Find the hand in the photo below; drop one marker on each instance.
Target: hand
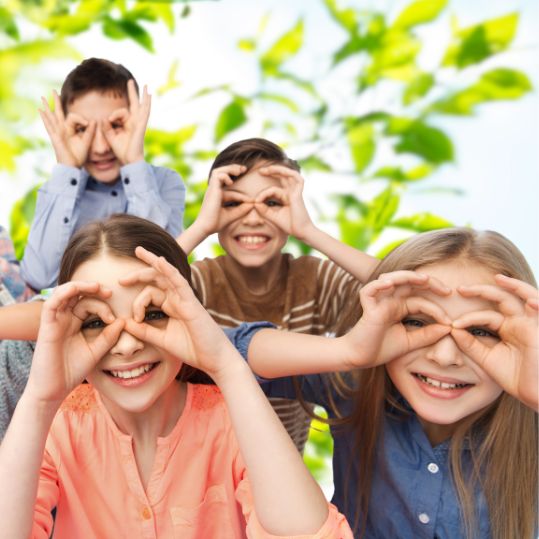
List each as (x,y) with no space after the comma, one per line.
(284,206)
(71,137)
(190,334)
(63,357)
(511,355)
(125,129)
(380,335)
(220,207)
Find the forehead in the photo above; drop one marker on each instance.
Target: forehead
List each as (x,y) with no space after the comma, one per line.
(96,105)
(106,269)
(454,274)
(253,182)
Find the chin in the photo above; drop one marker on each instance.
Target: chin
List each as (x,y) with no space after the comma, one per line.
(104,176)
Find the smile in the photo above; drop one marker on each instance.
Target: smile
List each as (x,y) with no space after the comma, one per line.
(104,163)
(440,385)
(132,377)
(252,240)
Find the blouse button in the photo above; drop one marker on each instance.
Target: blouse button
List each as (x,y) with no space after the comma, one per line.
(146,513)
(423,518)
(73,181)
(433,468)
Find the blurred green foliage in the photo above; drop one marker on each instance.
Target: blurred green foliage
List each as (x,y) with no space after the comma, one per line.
(390,147)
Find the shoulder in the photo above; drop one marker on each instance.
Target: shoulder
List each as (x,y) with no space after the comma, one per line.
(206,398)
(81,400)
(166,175)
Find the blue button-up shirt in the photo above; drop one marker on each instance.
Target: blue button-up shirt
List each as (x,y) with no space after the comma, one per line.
(71,198)
(413,496)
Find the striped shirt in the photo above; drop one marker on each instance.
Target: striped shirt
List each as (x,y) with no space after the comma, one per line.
(308,298)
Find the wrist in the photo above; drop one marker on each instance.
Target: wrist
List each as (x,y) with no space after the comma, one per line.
(230,372)
(44,408)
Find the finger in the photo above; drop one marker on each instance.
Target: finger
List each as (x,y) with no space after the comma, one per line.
(507,302)
(132,96)
(228,170)
(426,336)
(221,179)
(145,332)
(418,305)
(87,307)
(227,215)
(47,122)
(143,276)
(523,290)
(471,346)
(145,106)
(489,319)
(119,115)
(150,295)
(58,111)
(280,170)
(66,296)
(74,119)
(106,339)
(272,192)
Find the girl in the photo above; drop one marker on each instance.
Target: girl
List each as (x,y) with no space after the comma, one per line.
(140,451)
(438,433)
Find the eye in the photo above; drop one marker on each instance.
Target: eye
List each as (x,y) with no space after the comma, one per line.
(231,203)
(482,332)
(154,316)
(93,323)
(272,202)
(117,125)
(80,129)
(413,323)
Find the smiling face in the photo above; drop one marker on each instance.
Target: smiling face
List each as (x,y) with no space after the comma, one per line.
(101,162)
(440,382)
(252,241)
(133,376)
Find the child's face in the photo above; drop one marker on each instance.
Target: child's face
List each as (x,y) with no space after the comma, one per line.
(440,382)
(101,163)
(133,376)
(252,240)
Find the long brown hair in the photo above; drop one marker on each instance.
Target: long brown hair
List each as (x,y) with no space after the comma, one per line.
(119,235)
(503,437)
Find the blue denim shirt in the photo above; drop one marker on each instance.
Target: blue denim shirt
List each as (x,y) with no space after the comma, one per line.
(71,198)
(413,496)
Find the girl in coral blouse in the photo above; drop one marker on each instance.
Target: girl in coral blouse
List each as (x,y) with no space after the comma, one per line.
(141,451)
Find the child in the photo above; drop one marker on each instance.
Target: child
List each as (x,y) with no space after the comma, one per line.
(142,451)
(437,437)
(254,201)
(97,131)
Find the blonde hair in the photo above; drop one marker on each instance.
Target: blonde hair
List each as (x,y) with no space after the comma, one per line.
(502,438)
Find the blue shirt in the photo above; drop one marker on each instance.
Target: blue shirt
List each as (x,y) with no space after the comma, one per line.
(71,198)
(412,495)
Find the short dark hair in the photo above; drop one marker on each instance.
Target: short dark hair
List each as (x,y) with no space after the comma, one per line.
(95,74)
(119,235)
(250,151)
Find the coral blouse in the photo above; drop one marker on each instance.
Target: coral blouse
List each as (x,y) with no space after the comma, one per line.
(198,486)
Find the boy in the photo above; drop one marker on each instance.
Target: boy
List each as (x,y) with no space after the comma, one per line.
(254,201)
(97,131)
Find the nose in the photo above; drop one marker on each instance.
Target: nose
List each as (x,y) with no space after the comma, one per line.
(127,345)
(100,144)
(252,217)
(445,353)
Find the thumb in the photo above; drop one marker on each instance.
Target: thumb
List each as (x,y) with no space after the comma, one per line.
(107,339)
(471,346)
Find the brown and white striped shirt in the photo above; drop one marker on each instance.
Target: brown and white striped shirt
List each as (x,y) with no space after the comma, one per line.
(308,298)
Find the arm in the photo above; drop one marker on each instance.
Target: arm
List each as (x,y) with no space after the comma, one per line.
(287,500)
(20,322)
(288,211)
(508,348)
(218,208)
(378,336)
(61,361)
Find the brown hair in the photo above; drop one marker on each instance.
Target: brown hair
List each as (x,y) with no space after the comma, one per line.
(502,438)
(119,235)
(251,151)
(95,74)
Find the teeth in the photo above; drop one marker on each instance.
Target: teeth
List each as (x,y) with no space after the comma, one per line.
(133,373)
(252,239)
(437,383)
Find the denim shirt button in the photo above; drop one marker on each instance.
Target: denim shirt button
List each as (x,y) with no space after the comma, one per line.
(423,518)
(433,468)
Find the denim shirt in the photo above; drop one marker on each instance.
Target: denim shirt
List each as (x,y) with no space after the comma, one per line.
(413,496)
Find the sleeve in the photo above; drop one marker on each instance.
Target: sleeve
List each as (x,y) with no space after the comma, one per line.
(57,212)
(46,500)
(241,335)
(335,527)
(156,194)
(15,361)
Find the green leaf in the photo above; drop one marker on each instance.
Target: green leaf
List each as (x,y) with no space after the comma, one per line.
(417,88)
(248,45)
(421,139)
(388,248)
(476,43)
(497,84)
(305,85)
(21,218)
(347,18)
(172,82)
(400,175)
(421,222)
(279,98)
(7,24)
(419,12)
(283,49)
(362,145)
(230,118)
(382,209)
(313,162)
(125,28)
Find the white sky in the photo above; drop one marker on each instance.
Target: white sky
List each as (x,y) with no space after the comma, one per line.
(497,161)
